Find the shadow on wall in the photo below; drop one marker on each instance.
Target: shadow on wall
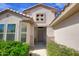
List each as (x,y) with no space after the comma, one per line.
(73,20)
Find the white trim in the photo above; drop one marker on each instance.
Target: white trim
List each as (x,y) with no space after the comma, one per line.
(5,31)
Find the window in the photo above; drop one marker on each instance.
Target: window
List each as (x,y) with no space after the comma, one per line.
(23,29)
(37,15)
(37,19)
(11,28)
(10,32)
(23,37)
(23,32)
(10,37)
(40,17)
(1,31)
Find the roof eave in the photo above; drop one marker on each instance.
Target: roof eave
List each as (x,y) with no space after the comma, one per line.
(65,14)
(25,17)
(50,8)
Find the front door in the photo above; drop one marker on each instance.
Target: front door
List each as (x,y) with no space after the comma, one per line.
(41,35)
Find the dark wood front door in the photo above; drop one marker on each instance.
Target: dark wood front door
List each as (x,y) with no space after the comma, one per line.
(42,35)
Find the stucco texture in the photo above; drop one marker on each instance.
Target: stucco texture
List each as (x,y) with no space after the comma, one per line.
(67,32)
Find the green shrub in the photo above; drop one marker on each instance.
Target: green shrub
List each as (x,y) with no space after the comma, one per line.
(54,49)
(13,48)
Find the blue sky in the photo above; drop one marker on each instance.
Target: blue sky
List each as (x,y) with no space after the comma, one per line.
(21,6)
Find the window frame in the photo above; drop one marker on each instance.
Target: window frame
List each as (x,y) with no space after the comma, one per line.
(3,31)
(7,33)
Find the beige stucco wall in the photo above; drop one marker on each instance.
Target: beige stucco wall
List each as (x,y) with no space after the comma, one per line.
(67,32)
(49,16)
(48,19)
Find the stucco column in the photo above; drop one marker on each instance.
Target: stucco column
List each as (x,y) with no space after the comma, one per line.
(50,34)
(30,35)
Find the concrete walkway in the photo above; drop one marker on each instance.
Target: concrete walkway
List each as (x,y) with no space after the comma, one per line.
(39,50)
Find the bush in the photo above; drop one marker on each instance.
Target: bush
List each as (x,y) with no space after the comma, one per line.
(54,49)
(13,48)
